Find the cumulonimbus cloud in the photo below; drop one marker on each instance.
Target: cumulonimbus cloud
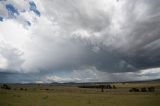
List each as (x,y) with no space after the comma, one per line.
(112,36)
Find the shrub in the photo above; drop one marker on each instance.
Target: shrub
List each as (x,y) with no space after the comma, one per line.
(114,87)
(21,88)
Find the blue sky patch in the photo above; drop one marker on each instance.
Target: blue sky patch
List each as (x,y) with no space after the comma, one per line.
(11,10)
(33,8)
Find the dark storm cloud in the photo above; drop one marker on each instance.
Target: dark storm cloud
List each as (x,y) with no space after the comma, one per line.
(144,49)
(12,77)
(135,47)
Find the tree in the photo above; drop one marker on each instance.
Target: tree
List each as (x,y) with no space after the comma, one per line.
(102,88)
(5,86)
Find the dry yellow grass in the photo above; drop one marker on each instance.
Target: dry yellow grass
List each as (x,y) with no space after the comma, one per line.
(73,96)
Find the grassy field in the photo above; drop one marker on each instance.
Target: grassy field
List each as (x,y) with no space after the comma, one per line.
(40,95)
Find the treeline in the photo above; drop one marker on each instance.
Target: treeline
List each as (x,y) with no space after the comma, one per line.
(98,86)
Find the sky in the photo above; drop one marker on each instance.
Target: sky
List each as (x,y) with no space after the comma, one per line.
(45,41)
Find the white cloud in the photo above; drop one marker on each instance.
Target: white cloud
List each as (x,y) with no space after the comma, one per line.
(3,62)
(57,79)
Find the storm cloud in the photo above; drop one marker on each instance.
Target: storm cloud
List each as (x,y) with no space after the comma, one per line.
(85,40)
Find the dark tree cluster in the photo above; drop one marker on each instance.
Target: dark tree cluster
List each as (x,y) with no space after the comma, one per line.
(98,86)
(5,86)
(144,89)
(134,90)
(102,87)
